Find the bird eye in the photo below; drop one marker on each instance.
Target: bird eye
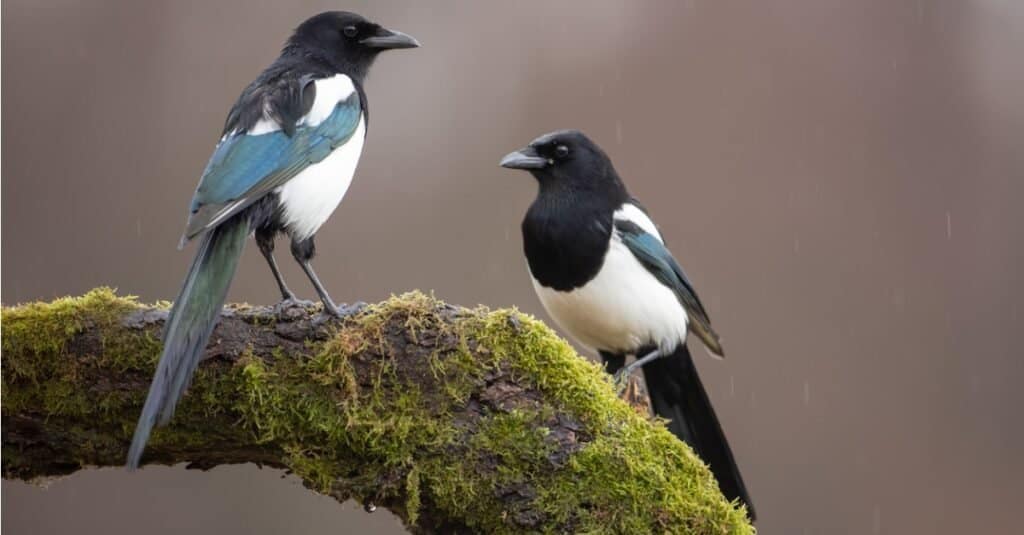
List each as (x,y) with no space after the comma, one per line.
(561,151)
(350,31)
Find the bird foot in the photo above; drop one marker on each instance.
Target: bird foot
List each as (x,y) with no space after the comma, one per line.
(622,376)
(347,310)
(288,305)
(295,302)
(621,381)
(339,312)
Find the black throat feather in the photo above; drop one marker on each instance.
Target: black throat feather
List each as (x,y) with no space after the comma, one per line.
(566,234)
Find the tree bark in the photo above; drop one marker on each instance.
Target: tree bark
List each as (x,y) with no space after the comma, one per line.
(457,420)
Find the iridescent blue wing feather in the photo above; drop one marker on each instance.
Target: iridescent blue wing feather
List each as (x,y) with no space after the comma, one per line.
(654,256)
(246,167)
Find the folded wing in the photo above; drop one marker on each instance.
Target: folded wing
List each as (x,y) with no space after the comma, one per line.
(652,253)
(245,166)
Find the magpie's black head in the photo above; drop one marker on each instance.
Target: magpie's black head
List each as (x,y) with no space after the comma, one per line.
(346,41)
(567,159)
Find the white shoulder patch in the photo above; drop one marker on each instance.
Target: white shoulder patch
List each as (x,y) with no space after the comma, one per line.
(632,213)
(265,125)
(329,92)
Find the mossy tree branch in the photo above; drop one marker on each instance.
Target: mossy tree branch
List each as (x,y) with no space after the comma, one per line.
(457,420)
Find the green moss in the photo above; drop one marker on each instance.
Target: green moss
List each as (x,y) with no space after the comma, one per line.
(318,471)
(383,428)
(412,493)
(35,337)
(390,431)
(34,331)
(40,374)
(664,473)
(417,436)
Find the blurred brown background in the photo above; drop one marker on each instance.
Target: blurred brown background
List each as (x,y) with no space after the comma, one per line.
(842,179)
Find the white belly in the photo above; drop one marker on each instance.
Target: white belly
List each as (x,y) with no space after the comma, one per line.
(309,199)
(622,309)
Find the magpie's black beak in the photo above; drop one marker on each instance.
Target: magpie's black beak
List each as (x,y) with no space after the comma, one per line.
(524,159)
(386,39)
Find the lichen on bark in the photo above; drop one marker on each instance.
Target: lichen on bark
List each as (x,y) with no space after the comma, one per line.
(457,420)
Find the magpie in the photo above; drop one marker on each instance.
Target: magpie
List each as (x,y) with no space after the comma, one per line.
(602,272)
(285,159)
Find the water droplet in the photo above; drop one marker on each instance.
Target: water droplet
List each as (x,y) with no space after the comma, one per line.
(877,519)
(807,393)
(949,225)
(618,131)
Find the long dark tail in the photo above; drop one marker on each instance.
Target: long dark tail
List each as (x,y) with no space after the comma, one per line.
(678,395)
(189,325)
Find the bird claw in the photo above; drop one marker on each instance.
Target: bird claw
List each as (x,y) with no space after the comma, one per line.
(292,302)
(621,381)
(292,307)
(344,311)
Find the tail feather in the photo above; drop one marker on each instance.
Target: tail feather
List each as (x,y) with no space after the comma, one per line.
(189,325)
(678,395)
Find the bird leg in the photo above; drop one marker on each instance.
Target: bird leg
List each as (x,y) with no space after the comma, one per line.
(329,306)
(622,376)
(265,241)
(304,251)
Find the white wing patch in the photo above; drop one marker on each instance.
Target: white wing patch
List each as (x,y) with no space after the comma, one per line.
(309,199)
(632,213)
(622,309)
(329,92)
(265,125)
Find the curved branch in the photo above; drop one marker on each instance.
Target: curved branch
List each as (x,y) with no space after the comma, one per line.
(457,420)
